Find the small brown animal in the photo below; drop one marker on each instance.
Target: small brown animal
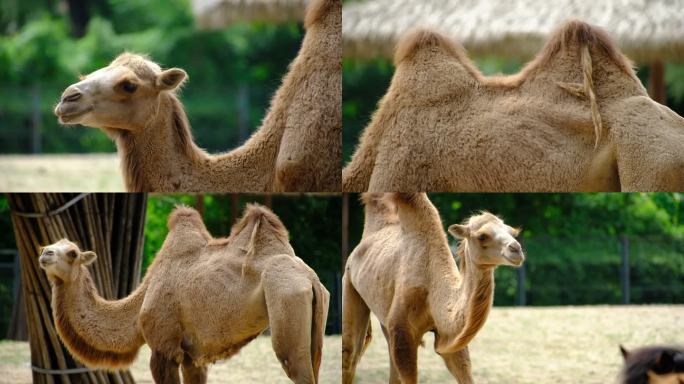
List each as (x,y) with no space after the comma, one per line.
(653,365)
(202,300)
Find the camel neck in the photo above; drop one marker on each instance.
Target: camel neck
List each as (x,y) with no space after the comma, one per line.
(468,305)
(154,158)
(97,331)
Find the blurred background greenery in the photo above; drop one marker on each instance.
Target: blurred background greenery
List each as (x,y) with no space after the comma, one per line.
(46,44)
(574,243)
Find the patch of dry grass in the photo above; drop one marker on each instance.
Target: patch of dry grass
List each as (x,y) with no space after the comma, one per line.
(256,363)
(517,345)
(60,173)
(543,345)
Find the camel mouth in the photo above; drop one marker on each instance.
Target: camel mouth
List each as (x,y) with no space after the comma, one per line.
(45,263)
(70,119)
(516,262)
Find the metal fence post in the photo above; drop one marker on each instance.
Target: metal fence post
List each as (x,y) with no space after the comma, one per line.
(522,298)
(624,270)
(522,295)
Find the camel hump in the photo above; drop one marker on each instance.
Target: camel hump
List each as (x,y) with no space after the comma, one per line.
(182,214)
(421,39)
(319,9)
(573,36)
(268,221)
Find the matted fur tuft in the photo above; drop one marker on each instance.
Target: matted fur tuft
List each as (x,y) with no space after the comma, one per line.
(256,212)
(575,34)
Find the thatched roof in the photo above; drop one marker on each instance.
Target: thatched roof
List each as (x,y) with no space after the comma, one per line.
(219,13)
(645,30)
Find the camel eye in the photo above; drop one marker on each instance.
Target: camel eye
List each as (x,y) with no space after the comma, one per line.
(483,237)
(71,254)
(128,86)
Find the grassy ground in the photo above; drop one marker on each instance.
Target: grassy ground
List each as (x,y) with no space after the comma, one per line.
(543,345)
(517,345)
(60,173)
(256,363)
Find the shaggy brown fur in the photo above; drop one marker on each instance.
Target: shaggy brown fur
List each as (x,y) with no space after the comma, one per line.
(202,300)
(575,118)
(404,273)
(297,148)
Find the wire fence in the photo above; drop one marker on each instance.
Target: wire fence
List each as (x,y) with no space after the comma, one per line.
(600,270)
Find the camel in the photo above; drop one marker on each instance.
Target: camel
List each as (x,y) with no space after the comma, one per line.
(201,300)
(404,273)
(297,147)
(652,365)
(576,118)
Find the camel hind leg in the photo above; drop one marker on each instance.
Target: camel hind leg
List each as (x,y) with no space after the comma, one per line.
(458,364)
(290,313)
(164,370)
(356,329)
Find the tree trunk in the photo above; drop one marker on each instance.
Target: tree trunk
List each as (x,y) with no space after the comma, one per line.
(109,224)
(79,16)
(656,82)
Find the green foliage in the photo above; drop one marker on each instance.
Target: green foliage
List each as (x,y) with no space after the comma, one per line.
(573,243)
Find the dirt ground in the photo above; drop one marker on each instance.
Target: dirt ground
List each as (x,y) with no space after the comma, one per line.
(517,345)
(60,173)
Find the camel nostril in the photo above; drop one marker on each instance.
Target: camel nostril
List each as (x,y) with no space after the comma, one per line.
(71,97)
(515,248)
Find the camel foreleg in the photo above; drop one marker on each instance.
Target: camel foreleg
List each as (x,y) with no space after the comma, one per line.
(355,329)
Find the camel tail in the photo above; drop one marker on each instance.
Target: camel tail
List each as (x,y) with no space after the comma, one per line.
(321,299)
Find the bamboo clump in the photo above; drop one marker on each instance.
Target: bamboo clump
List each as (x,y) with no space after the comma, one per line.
(109,224)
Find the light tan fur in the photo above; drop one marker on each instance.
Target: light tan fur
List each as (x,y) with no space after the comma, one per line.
(404,273)
(297,147)
(201,300)
(576,118)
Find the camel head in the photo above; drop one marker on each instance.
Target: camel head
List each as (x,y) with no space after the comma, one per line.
(120,96)
(62,260)
(488,241)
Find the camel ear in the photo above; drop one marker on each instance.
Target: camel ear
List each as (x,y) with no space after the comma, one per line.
(87,257)
(459,231)
(171,79)
(624,352)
